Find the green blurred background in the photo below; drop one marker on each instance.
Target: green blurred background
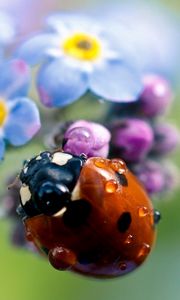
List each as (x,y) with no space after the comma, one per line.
(26,276)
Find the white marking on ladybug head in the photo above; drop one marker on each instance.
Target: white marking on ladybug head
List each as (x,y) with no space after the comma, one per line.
(25,194)
(25,170)
(60,213)
(76,192)
(61,158)
(38,157)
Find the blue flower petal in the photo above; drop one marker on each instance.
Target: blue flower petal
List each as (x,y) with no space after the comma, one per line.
(35,49)
(63,21)
(59,84)
(14,78)
(116,81)
(2,148)
(23,121)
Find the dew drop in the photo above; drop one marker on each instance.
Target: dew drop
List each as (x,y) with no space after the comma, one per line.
(121,171)
(144,251)
(111,186)
(122,266)
(62,258)
(118,166)
(100,163)
(143,211)
(129,239)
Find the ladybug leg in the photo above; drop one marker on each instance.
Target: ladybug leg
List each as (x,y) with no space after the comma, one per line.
(62,258)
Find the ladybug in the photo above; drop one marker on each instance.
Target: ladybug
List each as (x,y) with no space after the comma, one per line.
(90,216)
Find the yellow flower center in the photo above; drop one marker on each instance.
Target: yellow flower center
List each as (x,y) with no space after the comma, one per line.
(82,46)
(3,112)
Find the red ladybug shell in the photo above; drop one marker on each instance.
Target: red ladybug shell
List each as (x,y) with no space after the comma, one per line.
(109,230)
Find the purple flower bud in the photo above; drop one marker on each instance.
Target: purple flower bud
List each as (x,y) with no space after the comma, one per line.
(78,140)
(166,137)
(89,138)
(151,175)
(132,139)
(172,177)
(157,178)
(156,97)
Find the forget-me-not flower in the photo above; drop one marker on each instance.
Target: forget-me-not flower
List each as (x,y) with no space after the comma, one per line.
(19,116)
(79,55)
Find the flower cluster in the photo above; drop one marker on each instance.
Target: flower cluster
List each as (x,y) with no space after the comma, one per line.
(144,140)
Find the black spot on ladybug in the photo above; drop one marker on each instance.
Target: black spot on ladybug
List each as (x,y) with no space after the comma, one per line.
(77,213)
(157,216)
(124,222)
(122,179)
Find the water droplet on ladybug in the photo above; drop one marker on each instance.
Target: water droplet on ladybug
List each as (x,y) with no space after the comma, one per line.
(144,251)
(111,186)
(143,211)
(62,258)
(100,163)
(118,166)
(129,239)
(122,266)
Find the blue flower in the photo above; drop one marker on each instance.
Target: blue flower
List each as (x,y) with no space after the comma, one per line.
(19,116)
(78,55)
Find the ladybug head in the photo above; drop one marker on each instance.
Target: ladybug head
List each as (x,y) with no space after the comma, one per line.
(48,181)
